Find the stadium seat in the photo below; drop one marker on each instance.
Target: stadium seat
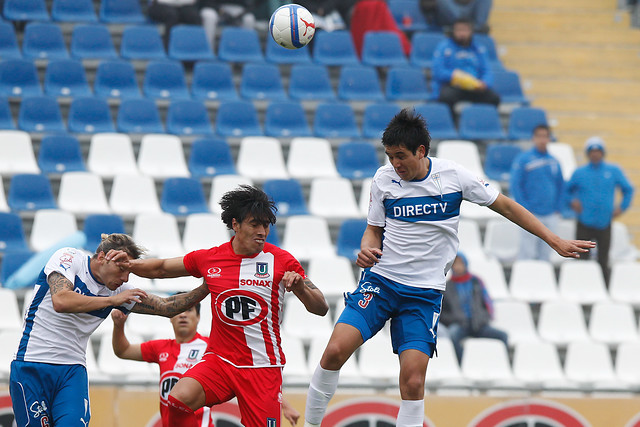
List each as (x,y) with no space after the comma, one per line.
(9,48)
(237,119)
(626,368)
(335,121)
(142,42)
(582,282)
(486,362)
(90,115)
(561,322)
(30,192)
(43,40)
(6,118)
(239,45)
(296,369)
(111,154)
(16,153)
(498,160)
(376,118)
(19,77)
(25,10)
(349,237)
(273,237)
(298,322)
(49,227)
(134,194)
(492,274)
(439,120)
(334,48)
(523,120)
(97,224)
(116,79)
(533,281)
(11,262)
(221,184)
(470,240)
(159,234)
(162,156)
(40,114)
(139,116)
(537,364)
(357,160)
(66,77)
(333,198)
(120,369)
(210,157)
(622,248)
(183,196)
(621,288)
(12,237)
(73,11)
(481,122)
(422,47)
(286,119)
(310,82)
(311,158)
(121,12)
(406,84)
(515,318)
(188,117)
(408,15)
(82,193)
(565,155)
(150,327)
(260,158)
(359,83)
(612,323)
(465,153)
(580,359)
(165,80)
(59,154)
(444,370)
(204,230)
(502,240)
(382,49)
(507,84)
(92,41)
(276,54)
(307,237)
(262,81)
(377,364)
(11,339)
(189,43)
(288,196)
(334,275)
(213,81)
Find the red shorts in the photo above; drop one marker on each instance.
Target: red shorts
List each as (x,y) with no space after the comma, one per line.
(259,390)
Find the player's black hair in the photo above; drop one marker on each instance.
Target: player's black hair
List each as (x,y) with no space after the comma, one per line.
(247,201)
(409,129)
(197,306)
(541,126)
(120,242)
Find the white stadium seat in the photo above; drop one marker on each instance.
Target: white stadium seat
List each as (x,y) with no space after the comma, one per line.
(561,322)
(333,276)
(307,237)
(50,226)
(533,281)
(582,282)
(492,274)
(589,364)
(378,363)
(16,153)
(159,234)
(298,322)
(260,158)
(464,153)
(10,317)
(624,284)
(486,362)
(203,231)
(612,323)
(111,154)
(311,158)
(537,364)
(333,198)
(134,194)
(82,193)
(502,240)
(515,318)
(162,156)
(220,185)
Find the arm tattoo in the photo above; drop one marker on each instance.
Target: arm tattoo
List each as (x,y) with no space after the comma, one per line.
(170,306)
(309,284)
(57,282)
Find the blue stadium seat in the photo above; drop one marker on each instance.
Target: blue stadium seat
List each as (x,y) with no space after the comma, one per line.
(481,122)
(335,121)
(359,83)
(357,160)
(382,49)
(237,119)
(334,48)
(288,196)
(239,45)
(422,47)
(40,114)
(286,119)
(213,81)
(262,81)
(96,224)
(188,117)
(12,236)
(489,44)
(73,11)
(189,43)
(279,55)
(6,118)
(116,79)
(183,196)
(121,12)
(19,77)
(92,41)
(273,237)
(407,84)
(66,77)
(25,10)
(59,154)
(29,192)
(165,79)
(210,157)
(376,118)
(12,261)
(507,84)
(310,82)
(139,116)
(523,120)
(498,160)
(439,120)
(43,40)
(8,42)
(90,115)
(142,42)
(408,15)
(349,237)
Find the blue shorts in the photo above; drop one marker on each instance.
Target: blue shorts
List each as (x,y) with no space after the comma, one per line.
(46,394)
(414,312)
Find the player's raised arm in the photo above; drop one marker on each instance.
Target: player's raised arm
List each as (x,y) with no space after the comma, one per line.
(152,268)
(172,305)
(121,345)
(307,293)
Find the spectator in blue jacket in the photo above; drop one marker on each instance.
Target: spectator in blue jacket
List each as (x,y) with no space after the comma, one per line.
(538,185)
(461,70)
(591,192)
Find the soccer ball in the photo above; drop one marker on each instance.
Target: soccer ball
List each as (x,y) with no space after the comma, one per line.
(292,26)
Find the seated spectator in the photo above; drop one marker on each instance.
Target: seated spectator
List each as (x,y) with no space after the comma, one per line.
(461,70)
(467,308)
(374,15)
(235,13)
(174,12)
(446,12)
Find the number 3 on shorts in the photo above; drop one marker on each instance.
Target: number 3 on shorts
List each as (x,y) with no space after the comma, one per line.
(364,302)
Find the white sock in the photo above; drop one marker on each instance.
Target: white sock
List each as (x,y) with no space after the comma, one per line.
(321,389)
(411,414)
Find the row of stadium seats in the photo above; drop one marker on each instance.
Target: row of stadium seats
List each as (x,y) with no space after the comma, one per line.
(110,11)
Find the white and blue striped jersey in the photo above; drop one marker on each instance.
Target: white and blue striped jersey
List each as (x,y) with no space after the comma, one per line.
(61,338)
(420,220)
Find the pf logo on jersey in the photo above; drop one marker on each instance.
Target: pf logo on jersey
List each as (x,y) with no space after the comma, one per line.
(239,307)
(168,380)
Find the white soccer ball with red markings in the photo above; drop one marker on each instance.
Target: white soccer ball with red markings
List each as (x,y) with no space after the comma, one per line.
(292,26)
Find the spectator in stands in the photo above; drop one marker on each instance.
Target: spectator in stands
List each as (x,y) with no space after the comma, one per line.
(467,308)
(461,70)
(236,13)
(329,15)
(591,193)
(538,185)
(445,12)
(174,12)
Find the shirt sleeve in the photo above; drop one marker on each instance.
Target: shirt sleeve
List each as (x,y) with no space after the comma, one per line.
(376,215)
(476,189)
(191,262)
(66,261)
(626,188)
(150,350)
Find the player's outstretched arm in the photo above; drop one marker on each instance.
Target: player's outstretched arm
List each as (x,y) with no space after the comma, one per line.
(121,345)
(170,306)
(517,214)
(370,246)
(307,293)
(152,268)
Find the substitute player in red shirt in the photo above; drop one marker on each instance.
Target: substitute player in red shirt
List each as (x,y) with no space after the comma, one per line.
(247,278)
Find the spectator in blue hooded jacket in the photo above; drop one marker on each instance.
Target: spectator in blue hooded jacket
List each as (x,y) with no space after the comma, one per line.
(538,185)
(591,192)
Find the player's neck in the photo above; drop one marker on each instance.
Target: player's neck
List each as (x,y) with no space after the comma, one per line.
(184,339)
